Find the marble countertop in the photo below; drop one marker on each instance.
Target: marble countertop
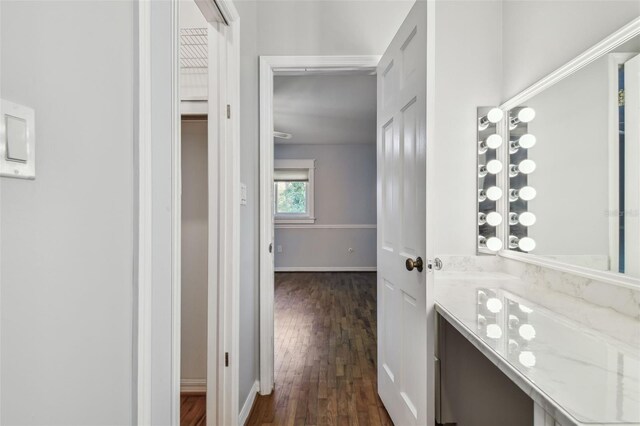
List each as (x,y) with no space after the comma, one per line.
(579,375)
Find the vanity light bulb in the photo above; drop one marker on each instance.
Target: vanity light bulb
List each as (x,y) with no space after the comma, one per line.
(495,115)
(494,141)
(494,167)
(525,167)
(482,195)
(482,219)
(527,358)
(527,332)
(527,141)
(525,308)
(491,243)
(527,244)
(494,305)
(494,331)
(527,193)
(527,219)
(494,193)
(526,114)
(494,218)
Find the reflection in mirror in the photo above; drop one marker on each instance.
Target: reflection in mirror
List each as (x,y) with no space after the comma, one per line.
(574,168)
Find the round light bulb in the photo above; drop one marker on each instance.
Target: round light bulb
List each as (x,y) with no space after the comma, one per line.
(527,332)
(493,218)
(495,115)
(527,218)
(527,166)
(527,193)
(494,244)
(526,114)
(494,167)
(482,195)
(493,193)
(527,141)
(526,244)
(527,358)
(494,141)
(525,308)
(494,331)
(494,305)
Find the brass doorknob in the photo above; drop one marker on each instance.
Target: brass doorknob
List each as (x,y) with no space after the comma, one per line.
(411,264)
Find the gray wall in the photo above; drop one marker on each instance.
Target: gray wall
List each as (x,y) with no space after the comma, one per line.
(291,28)
(67,237)
(344,194)
(195,233)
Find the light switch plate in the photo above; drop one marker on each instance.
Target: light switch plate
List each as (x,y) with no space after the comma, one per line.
(243,194)
(17,141)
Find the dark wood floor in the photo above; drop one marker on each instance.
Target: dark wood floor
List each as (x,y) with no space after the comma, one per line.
(325,352)
(193,410)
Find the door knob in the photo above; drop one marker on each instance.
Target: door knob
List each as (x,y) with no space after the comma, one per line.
(411,264)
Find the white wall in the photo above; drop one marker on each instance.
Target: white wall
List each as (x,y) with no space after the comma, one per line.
(291,28)
(67,237)
(468,71)
(572,175)
(344,194)
(540,36)
(193,356)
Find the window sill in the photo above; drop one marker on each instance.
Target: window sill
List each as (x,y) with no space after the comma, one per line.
(302,220)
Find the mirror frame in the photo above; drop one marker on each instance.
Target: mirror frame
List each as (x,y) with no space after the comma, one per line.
(621,36)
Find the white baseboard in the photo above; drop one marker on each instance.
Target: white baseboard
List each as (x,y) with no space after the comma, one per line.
(326,269)
(193,386)
(248,404)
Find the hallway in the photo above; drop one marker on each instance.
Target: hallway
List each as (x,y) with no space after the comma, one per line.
(325,351)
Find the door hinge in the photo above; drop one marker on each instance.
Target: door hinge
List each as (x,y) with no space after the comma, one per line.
(226,359)
(228,111)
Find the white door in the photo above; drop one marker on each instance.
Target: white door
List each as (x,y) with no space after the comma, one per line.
(402,316)
(632,167)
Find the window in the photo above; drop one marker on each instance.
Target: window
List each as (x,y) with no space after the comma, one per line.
(293,191)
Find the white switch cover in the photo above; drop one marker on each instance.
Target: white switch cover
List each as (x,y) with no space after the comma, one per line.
(17,141)
(243,194)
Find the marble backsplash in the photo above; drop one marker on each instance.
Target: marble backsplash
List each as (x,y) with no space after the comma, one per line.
(608,300)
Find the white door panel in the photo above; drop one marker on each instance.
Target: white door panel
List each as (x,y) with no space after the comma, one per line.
(402,318)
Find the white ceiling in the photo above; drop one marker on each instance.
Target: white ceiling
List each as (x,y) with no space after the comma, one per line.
(325,109)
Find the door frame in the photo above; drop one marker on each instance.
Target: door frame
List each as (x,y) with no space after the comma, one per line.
(269,67)
(157,293)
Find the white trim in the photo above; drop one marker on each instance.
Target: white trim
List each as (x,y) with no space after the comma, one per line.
(144,243)
(600,49)
(616,39)
(270,65)
(326,269)
(248,403)
(193,386)
(224,210)
(176,214)
(294,164)
(316,226)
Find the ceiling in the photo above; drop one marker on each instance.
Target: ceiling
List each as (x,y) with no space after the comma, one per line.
(325,108)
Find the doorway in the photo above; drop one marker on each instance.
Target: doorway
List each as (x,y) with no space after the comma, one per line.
(404,296)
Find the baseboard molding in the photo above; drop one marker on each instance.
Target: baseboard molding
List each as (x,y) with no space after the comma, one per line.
(326,269)
(248,404)
(198,386)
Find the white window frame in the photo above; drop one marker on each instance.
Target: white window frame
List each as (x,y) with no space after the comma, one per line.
(309,216)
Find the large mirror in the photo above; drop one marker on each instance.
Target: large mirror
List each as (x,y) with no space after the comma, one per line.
(574,174)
